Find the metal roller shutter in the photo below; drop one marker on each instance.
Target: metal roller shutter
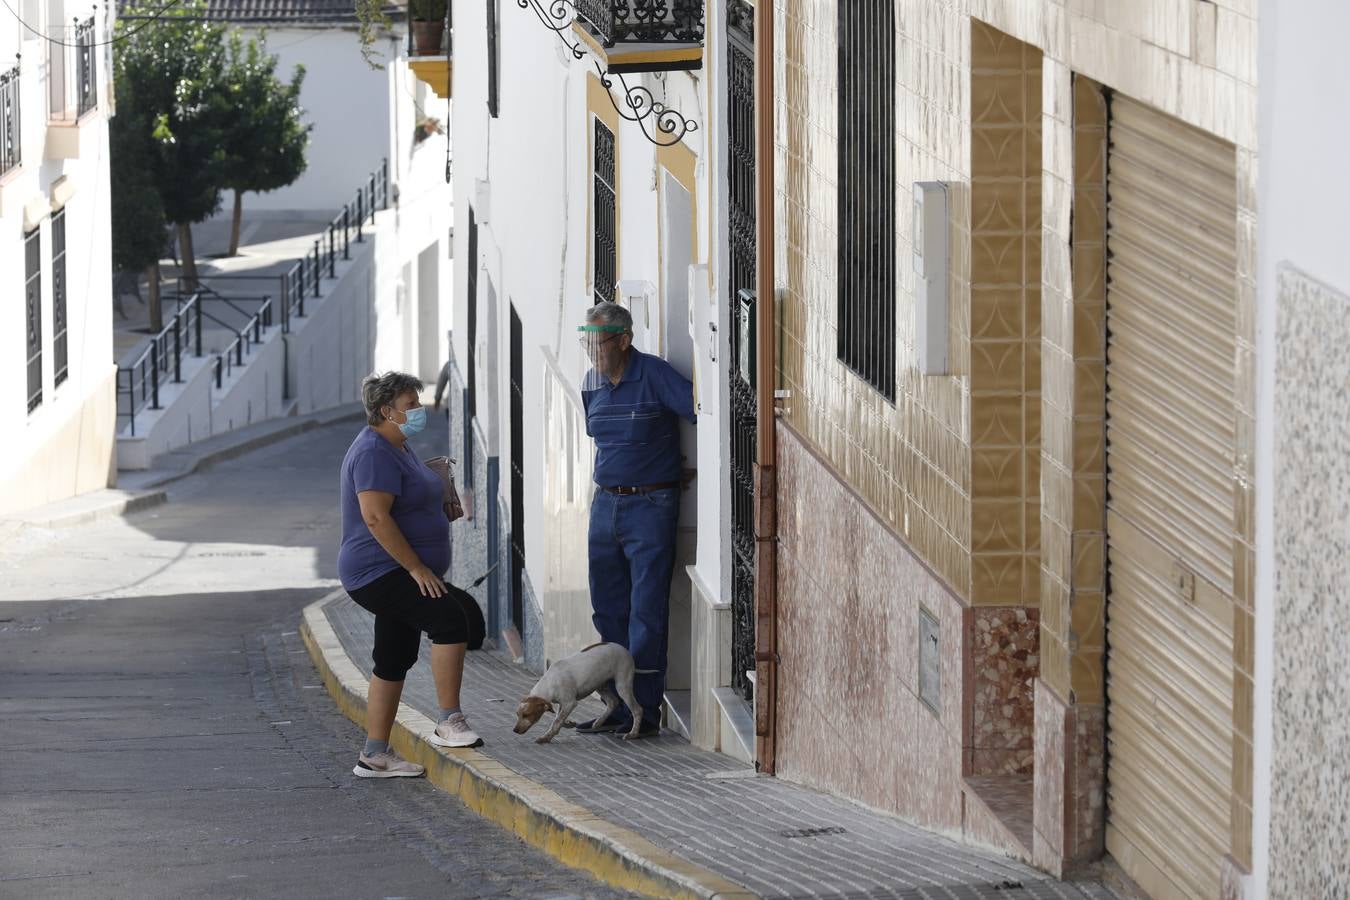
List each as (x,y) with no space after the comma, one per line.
(1171,237)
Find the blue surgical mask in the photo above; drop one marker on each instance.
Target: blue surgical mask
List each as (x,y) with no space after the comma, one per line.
(416,421)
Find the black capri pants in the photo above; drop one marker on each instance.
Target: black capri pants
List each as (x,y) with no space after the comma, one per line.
(402,614)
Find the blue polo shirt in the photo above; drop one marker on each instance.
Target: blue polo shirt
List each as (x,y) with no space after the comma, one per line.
(635,422)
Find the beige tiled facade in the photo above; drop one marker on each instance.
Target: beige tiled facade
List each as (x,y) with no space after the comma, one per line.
(993,476)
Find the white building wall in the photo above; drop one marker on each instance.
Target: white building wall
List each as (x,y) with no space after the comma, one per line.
(1300,842)
(360,115)
(65,445)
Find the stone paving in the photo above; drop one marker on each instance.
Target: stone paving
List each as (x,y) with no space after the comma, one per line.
(773,837)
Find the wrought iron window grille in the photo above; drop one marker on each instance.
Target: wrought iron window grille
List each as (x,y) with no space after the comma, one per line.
(10,143)
(87,84)
(642,21)
(866,193)
(663,125)
(604,215)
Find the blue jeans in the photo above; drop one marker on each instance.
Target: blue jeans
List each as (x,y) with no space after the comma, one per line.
(632,556)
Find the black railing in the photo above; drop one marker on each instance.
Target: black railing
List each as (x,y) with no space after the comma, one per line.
(86,84)
(604,215)
(740,325)
(642,21)
(60,321)
(249,335)
(32,310)
(161,362)
(10,155)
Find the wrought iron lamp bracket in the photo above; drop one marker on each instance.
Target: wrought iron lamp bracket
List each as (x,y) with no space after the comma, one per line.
(663,125)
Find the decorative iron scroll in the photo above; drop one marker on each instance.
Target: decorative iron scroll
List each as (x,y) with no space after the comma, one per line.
(669,126)
(659,123)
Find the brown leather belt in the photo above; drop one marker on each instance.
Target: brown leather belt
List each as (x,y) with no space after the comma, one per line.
(624,491)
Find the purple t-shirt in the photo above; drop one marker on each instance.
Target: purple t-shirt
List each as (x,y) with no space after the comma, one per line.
(374,464)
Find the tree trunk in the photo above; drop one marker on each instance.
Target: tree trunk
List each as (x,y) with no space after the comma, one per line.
(189,257)
(234,226)
(154,307)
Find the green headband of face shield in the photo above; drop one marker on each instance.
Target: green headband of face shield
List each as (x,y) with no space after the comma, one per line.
(608,329)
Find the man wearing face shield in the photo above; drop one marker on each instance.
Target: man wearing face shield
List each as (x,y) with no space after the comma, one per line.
(633,403)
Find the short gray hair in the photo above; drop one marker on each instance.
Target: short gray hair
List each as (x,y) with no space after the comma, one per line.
(379,391)
(609,313)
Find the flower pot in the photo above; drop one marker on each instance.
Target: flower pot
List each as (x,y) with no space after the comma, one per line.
(427,37)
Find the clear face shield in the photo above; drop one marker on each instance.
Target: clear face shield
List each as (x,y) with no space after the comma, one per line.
(602,351)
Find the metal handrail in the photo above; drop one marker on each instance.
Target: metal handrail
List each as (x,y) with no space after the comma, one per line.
(149,370)
(251,333)
(162,358)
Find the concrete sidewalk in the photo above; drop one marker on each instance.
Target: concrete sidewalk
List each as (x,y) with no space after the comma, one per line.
(660,816)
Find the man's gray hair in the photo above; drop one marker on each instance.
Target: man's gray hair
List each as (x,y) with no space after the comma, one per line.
(379,391)
(609,313)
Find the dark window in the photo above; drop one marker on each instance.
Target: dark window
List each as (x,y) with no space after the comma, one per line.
(9,120)
(517,473)
(741,182)
(59,350)
(471,360)
(88,65)
(493,54)
(603,218)
(866,200)
(32,298)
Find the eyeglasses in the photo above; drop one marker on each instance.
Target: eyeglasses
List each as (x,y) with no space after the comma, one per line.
(591,340)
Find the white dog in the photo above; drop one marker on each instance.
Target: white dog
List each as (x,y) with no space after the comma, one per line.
(573,679)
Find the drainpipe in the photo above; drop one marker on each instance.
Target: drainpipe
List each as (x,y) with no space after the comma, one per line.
(766,490)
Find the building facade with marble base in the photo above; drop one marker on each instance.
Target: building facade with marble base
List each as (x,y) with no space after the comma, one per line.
(957,550)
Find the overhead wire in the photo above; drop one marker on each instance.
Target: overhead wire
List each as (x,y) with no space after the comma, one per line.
(77,46)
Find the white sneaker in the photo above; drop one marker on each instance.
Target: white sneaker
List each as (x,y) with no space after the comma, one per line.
(455,732)
(386,765)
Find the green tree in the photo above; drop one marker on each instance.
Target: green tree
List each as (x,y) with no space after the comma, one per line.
(169,67)
(264,135)
(138,224)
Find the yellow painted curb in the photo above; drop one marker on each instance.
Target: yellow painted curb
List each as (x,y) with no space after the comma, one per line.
(572,834)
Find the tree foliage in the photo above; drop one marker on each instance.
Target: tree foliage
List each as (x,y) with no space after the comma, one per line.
(264,135)
(170,70)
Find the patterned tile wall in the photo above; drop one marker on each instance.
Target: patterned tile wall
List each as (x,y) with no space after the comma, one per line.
(1005,317)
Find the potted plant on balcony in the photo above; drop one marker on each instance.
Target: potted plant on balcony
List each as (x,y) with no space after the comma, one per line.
(428,25)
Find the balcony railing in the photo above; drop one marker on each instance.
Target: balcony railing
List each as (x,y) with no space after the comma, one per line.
(86,66)
(9,120)
(72,72)
(642,21)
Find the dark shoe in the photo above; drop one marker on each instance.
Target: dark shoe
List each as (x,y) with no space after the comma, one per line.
(604,726)
(645,730)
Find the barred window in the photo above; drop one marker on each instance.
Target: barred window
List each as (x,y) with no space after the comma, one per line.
(32,299)
(493,56)
(866,198)
(602,217)
(59,343)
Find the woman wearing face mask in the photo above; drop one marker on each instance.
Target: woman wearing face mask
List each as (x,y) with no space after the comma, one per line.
(395,552)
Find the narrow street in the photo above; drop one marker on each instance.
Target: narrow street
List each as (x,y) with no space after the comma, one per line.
(166,734)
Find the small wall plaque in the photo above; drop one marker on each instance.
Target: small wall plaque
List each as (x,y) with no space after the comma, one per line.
(930,661)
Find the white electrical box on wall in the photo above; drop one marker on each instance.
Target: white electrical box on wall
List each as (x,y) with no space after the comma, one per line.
(931,303)
(482,201)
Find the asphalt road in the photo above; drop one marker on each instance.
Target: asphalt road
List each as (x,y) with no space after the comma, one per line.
(165,735)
